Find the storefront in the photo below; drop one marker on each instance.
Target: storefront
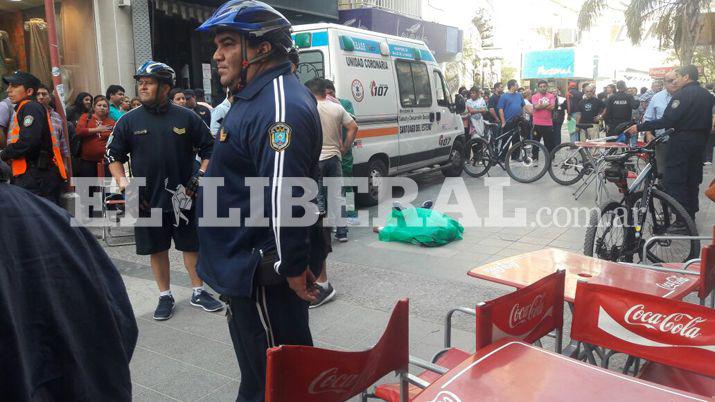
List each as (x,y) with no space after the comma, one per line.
(175,41)
(24,43)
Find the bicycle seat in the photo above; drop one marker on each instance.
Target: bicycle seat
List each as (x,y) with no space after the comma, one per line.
(622,158)
(584,126)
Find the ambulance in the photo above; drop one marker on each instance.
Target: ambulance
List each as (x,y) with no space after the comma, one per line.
(406,117)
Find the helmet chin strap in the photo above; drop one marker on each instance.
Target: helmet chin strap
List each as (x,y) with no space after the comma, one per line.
(243,74)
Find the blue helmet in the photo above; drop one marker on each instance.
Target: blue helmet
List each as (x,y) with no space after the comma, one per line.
(253,18)
(155,69)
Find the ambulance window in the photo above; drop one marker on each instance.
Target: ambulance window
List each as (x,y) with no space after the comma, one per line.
(413,82)
(442,91)
(404,81)
(311,66)
(423,90)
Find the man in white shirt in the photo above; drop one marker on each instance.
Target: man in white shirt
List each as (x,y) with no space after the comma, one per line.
(333,117)
(654,111)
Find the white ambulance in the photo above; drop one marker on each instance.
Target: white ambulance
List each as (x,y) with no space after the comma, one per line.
(403,108)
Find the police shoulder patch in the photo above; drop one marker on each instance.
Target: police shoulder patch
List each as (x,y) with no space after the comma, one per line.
(179,131)
(279,136)
(27,121)
(675,103)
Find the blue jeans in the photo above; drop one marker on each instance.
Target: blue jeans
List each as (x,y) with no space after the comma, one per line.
(331,167)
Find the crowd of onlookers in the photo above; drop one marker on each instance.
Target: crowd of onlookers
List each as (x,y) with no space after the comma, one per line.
(543,111)
(91,118)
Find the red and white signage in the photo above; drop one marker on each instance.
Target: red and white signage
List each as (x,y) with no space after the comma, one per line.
(528,313)
(670,332)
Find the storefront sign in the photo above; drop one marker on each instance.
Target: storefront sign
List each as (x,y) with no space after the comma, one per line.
(544,64)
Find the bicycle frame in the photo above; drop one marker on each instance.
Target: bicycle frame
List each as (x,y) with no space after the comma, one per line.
(497,150)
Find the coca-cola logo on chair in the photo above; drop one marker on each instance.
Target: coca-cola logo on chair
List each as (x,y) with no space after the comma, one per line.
(680,324)
(332,381)
(521,314)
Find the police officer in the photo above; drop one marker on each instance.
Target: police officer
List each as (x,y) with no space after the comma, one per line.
(32,150)
(161,138)
(619,108)
(690,114)
(272,131)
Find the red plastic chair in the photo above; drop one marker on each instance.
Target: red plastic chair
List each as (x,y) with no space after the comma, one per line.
(677,338)
(305,373)
(706,267)
(528,314)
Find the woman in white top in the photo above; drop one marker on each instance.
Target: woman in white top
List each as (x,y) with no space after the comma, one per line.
(476,107)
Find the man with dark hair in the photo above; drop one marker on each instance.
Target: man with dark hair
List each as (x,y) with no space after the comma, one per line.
(201,99)
(161,138)
(544,103)
(510,105)
(333,120)
(689,113)
(32,150)
(115,96)
(619,109)
(44,98)
(200,110)
(266,271)
(493,115)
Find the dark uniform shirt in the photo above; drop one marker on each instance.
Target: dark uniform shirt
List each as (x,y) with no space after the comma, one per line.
(34,134)
(619,108)
(67,330)
(589,109)
(689,111)
(204,113)
(493,102)
(272,131)
(163,146)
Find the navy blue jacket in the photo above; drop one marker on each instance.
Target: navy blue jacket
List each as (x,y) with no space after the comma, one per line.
(67,329)
(272,131)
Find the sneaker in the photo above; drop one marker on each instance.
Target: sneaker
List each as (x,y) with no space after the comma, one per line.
(341,235)
(165,308)
(427,204)
(206,301)
(324,296)
(707,163)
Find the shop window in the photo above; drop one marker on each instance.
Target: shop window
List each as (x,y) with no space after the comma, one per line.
(312,65)
(414,84)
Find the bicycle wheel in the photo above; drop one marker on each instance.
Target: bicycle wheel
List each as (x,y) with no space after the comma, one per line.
(661,217)
(608,234)
(477,161)
(527,161)
(567,164)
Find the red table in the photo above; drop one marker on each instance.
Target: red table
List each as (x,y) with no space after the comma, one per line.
(524,269)
(510,370)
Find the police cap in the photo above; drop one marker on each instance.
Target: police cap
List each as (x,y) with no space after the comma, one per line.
(22,78)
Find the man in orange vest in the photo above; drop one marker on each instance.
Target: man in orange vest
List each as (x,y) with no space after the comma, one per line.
(32,149)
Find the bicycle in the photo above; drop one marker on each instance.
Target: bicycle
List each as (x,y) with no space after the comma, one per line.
(518,156)
(619,230)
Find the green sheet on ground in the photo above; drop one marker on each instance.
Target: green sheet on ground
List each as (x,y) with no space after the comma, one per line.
(421,226)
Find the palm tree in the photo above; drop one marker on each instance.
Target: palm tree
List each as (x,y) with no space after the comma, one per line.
(675,23)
